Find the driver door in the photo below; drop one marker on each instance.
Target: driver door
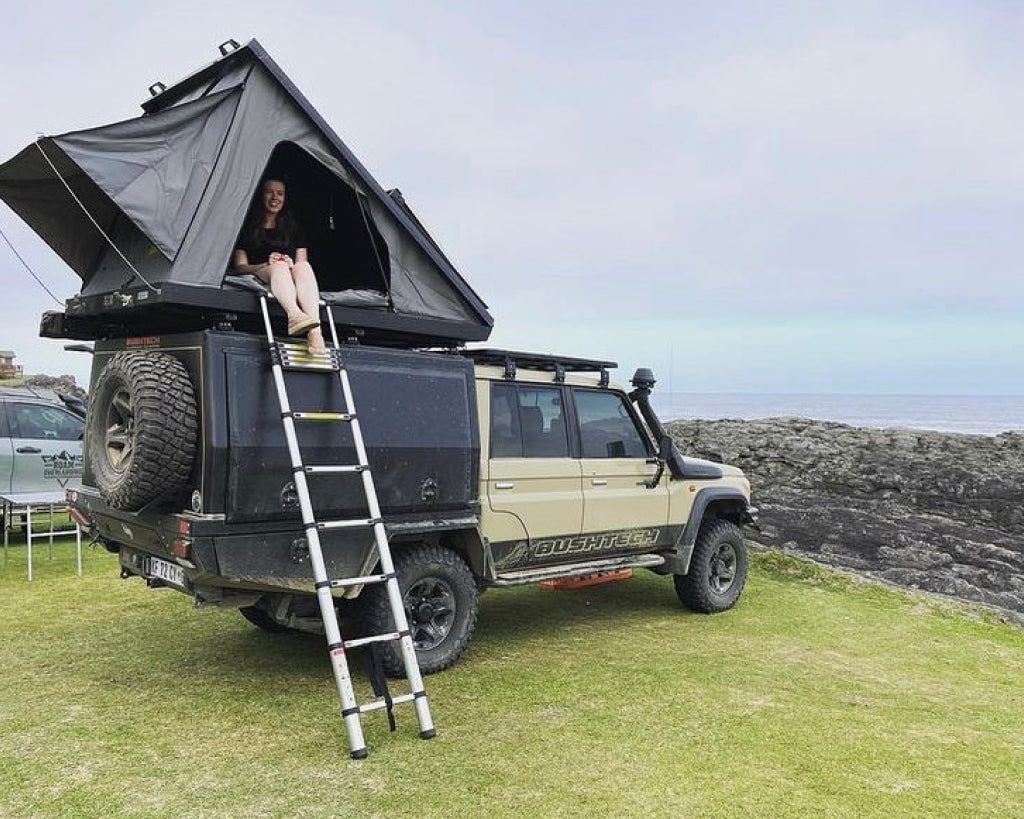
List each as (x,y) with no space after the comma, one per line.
(615,460)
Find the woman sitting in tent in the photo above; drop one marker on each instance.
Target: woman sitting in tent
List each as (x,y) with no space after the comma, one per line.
(273,248)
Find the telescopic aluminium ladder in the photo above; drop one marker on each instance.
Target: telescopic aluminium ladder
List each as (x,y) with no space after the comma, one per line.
(296,356)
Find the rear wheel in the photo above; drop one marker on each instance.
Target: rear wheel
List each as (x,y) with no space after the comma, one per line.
(718,568)
(141,429)
(440,600)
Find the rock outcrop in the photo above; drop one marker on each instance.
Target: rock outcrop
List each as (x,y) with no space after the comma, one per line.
(61,384)
(928,510)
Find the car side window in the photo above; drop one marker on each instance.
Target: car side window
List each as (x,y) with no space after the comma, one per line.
(527,421)
(506,437)
(607,429)
(40,421)
(542,421)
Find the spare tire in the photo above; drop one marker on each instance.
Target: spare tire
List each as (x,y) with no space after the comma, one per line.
(141,429)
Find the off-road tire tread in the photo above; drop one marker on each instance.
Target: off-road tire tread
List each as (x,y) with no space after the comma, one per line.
(411,563)
(692,588)
(166,429)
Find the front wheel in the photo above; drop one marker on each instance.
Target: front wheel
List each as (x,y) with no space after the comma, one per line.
(440,600)
(718,568)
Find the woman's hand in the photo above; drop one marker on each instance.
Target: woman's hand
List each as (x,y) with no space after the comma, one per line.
(281,257)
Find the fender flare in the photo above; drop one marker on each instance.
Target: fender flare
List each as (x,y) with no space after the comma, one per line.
(679,563)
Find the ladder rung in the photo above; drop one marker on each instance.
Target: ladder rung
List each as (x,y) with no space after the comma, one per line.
(358,581)
(373,706)
(315,470)
(375,638)
(298,357)
(355,523)
(325,367)
(296,347)
(323,416)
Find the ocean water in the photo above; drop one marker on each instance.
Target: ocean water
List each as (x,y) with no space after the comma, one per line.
(974,414)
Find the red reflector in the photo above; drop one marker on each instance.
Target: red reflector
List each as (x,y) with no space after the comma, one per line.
(180,547)
(184,526)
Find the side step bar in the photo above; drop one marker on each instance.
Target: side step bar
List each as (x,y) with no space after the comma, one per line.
(524,577)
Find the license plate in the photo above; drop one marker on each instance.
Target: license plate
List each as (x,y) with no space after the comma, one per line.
(168,572)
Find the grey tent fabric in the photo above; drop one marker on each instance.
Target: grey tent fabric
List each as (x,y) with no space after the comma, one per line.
(156,168)
(32,190)
(172,189)
(151,169)
(266,117)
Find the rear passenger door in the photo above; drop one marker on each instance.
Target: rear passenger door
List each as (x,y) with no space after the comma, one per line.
(47,443)
(534,486)
(615,454)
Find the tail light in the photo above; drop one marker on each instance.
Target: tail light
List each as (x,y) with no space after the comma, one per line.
(181,546)
(77,515)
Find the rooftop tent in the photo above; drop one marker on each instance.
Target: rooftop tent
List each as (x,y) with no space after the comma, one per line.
(155,206)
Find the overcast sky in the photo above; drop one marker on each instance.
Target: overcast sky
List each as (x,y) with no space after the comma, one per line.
(747,197)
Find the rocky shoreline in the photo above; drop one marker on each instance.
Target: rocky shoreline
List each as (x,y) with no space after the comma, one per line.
(923,510)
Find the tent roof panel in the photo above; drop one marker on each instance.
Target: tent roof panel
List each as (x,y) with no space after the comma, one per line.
(253,52)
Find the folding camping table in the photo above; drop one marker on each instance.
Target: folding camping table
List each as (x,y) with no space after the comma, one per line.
(22,504)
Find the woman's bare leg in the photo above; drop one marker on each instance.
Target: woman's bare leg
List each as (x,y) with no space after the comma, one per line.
(308,296)
(306,288)
(283,288)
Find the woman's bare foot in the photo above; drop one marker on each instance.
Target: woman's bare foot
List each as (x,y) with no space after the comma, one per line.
(315,340)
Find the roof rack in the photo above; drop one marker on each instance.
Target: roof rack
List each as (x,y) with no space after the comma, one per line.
(511,360)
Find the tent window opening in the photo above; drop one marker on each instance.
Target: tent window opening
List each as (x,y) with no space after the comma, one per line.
(345,248)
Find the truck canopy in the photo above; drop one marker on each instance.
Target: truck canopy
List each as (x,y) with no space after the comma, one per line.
(171,190)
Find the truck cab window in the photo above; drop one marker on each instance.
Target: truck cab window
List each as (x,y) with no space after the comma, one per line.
(607,429)
(542,422)
(506,436)
(527,422)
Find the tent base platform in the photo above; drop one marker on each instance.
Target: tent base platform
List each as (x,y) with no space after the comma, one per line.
(177,308)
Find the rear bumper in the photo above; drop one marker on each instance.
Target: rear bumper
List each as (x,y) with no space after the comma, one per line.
(214,556)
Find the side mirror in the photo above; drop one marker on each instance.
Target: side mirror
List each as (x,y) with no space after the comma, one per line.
(664,453)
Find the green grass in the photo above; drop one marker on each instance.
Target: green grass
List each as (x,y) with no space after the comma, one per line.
(818,695)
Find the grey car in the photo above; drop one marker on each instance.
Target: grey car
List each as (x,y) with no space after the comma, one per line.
(40,444)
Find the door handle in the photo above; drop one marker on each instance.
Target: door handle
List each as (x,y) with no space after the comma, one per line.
(28,450)
(504,485)
(598,482)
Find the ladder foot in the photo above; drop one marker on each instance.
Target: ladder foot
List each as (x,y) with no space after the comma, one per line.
(361,753)
(428,734)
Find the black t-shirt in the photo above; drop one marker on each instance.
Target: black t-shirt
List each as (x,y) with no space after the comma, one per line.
(259,247)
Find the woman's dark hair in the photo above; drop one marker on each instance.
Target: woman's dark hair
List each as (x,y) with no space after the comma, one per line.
(286,227)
